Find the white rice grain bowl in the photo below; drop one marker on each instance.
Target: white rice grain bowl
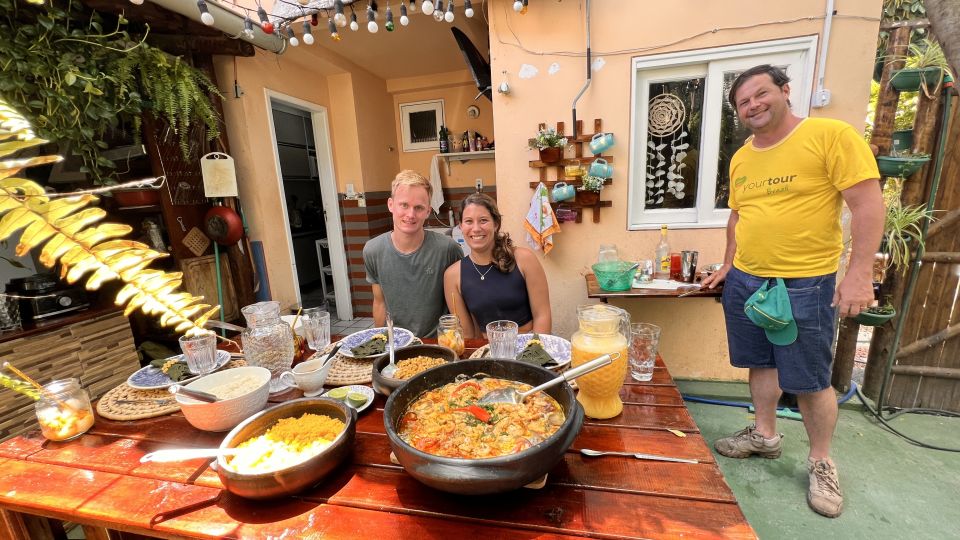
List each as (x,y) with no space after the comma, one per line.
(225,414)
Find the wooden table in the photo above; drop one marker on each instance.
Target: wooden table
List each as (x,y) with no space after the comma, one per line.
(594,291)
(98,481)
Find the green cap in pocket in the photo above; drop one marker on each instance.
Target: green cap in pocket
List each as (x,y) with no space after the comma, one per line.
(769,308)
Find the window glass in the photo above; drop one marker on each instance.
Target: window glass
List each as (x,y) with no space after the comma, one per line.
(423,126)
(673,143)
(732,135)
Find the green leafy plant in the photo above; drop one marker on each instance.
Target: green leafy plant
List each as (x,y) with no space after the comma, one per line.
(921,56)
(82,79)
(903,118)
(901,233)
(591,183)
(547,138)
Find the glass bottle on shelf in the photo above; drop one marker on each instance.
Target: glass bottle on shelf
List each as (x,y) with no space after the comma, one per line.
(268,340)
(662,255)
(444,143)
(450,334)
(64,410)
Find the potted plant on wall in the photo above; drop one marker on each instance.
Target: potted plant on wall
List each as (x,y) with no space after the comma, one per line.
(550,144)
(588,194)
(924,68)
(901,165)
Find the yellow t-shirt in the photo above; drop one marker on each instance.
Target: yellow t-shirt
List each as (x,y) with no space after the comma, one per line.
(788,197)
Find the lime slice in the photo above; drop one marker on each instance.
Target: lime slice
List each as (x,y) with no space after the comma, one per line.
(356,399)
(338,393)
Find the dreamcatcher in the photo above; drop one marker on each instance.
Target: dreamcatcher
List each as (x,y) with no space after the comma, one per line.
(667,118)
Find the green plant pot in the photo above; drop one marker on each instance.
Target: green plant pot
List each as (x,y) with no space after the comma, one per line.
(902,140)
(910,79)
(868,318)
(902,166)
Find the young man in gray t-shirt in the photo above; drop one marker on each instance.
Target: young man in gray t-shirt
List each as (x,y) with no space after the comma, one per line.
(405,266)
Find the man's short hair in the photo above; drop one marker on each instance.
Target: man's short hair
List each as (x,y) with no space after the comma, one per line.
(778,75)
(410,178)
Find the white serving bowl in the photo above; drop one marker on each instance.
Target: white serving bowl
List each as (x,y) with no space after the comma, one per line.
(225,414)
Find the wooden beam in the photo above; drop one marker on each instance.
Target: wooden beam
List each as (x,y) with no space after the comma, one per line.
(886,108)
(927,371)
(912,23)
(923,344)
(939,225)
(941,257)
(182,45)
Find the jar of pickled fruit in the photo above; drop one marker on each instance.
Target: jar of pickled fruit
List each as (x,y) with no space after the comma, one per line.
(64,410)
(450,334)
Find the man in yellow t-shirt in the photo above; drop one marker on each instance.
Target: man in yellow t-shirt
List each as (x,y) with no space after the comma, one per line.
(787,187)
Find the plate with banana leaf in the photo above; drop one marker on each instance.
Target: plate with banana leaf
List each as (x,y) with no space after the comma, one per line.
(372,342)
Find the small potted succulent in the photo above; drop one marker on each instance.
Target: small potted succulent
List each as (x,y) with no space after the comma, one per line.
(550,144)
(588,194)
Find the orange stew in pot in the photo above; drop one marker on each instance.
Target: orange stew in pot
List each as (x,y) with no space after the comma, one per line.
(449,421)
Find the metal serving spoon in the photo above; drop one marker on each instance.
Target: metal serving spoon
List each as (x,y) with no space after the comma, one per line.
(185,454)
(510,395)
(390,369)
(195,394)
(654,457)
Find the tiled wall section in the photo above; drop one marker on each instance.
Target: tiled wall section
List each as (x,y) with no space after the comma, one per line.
(360,224)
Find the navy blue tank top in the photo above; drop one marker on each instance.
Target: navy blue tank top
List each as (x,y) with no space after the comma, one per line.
(498,296)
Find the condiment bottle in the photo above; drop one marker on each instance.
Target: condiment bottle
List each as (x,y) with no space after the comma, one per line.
(662,255)
(603,330)
(64,411)
(450,334)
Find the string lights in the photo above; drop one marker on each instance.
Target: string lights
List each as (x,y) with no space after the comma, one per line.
(205,16)
(307,33)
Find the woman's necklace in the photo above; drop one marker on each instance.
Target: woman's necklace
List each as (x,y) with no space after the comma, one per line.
(483,274)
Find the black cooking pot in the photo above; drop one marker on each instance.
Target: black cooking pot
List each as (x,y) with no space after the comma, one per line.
(491,475)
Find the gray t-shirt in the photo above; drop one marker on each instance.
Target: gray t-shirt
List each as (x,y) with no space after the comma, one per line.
(412,283)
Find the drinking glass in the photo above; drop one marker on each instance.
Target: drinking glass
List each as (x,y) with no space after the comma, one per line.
(200,352)
(644,343)
(608,253)
(316,327)
(502,336)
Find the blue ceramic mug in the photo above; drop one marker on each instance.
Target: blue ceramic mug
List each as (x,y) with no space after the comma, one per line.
(601,168)
(563,192)
(601,142)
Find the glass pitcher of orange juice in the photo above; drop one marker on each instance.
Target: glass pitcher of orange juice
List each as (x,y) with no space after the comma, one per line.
(603,330)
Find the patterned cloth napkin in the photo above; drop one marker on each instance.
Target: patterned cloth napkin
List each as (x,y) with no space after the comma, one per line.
(541,223)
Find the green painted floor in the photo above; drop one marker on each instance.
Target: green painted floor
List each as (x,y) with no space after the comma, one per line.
(892,489)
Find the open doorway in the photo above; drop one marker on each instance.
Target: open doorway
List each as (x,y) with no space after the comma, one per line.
(309,194)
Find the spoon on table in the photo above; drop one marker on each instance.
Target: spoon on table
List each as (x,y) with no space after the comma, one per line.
(654,457)
(390,369)
(185,454)
(510,395)
(195,394)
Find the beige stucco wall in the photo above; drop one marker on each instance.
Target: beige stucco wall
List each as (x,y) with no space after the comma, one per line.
(694,340)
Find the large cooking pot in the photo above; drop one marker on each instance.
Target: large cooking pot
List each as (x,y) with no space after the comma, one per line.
(297,477)
(491,475)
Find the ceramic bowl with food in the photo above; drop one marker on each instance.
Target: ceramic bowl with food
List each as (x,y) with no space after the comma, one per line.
(487,475)
(243,391)
(292,475)
(386,385)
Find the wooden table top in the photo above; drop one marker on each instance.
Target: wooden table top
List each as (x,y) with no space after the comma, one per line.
(594,291)
(98,480)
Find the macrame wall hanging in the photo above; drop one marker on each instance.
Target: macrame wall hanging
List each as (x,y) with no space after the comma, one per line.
(667,123)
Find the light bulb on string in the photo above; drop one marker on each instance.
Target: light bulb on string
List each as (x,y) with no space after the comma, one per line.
(467,9)
(137,2)
(292,37)
(404,20)
(438,11)
(413,5)
(523,10)
(307,34)
(517,6)
(314,19)
(339,18)
(353,22)
(427,7)
(448,16)
(332,27)
(205,16)
(265,23)
(372,26)
(389,24)
(247,31)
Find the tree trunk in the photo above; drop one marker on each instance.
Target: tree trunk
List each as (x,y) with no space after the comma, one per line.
(886,109)
(944,16)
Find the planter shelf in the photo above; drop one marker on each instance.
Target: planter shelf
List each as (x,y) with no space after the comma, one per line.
(868,318)
(911,79)
(578,204)
(900,166)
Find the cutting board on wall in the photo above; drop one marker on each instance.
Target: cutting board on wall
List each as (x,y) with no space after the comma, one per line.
(200,279)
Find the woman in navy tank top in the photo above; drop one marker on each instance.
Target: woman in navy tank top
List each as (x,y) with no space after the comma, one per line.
(497,281)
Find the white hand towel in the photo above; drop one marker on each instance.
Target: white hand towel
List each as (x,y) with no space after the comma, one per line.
(436,200)
(541,223)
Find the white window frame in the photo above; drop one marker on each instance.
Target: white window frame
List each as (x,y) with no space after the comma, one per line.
(798,53)
(406,109)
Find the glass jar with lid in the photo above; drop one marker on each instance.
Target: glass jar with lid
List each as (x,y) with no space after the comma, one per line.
(268,341)
(64,410)
(450,334)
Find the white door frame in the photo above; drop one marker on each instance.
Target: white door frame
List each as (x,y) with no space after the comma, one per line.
(328,191)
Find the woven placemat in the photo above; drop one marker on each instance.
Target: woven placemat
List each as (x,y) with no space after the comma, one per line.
(347,370)
(127,403)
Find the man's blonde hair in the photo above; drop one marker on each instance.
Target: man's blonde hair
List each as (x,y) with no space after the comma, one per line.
(410,178)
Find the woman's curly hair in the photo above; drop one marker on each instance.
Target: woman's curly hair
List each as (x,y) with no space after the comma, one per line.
(503,256)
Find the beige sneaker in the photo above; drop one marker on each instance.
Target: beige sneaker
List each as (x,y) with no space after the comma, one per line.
(824,495)
(748,442)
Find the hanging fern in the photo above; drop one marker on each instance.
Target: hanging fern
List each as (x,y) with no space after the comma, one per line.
(71,234)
